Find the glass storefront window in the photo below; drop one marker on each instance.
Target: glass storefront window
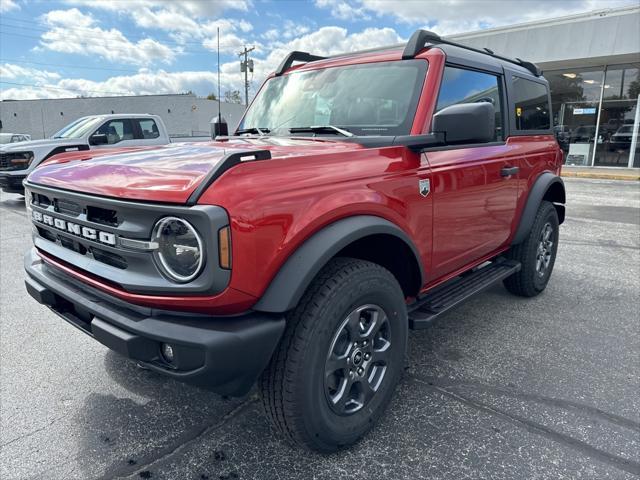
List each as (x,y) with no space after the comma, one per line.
(595,114)
(575,96)
(618,116)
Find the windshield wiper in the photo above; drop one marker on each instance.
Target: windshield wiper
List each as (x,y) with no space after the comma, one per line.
(322,128)
(262,131)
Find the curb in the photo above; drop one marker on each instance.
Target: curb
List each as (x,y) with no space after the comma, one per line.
(602,176)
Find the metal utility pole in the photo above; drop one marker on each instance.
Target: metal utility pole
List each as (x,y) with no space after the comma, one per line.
(246,66)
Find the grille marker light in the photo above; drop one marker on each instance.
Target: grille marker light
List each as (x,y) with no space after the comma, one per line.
(224,247)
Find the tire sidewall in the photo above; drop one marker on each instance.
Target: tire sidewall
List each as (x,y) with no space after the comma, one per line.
(549,216)
(328,427)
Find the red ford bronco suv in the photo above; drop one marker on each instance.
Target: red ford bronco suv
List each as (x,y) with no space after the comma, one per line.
(361,196)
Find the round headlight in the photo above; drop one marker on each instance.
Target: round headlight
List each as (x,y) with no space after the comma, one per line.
(180,252)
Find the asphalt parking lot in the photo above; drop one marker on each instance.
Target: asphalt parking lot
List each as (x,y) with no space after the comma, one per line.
(501,388)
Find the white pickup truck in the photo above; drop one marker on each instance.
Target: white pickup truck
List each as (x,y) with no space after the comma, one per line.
(17,160)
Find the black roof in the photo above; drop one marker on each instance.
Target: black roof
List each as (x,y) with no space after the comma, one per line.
(421,39)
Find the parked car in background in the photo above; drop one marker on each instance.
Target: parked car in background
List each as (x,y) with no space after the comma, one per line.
(17,160)
(13,138)
(583,134)
(621,140)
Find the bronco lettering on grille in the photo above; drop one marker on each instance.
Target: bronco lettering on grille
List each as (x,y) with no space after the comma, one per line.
(75,229)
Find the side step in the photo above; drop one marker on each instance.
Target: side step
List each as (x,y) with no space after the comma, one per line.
(444,298)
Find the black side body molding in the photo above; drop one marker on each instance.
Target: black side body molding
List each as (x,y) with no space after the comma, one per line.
(542,185)
(229,161)
(296,56)
(297,273)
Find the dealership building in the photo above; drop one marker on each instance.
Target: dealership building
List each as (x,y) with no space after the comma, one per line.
(184,115)
(592,63)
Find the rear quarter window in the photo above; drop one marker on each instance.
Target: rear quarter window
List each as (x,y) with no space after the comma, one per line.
(531,104)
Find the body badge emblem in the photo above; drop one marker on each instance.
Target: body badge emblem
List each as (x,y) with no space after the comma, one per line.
(424,186)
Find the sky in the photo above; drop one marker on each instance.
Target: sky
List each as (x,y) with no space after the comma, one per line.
(70,48)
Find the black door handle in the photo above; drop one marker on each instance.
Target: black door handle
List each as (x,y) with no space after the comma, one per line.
(508,171)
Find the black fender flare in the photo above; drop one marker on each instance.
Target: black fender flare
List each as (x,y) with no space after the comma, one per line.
(299,270)
(542,185)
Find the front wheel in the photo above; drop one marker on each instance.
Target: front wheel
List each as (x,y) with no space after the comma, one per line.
(537,254)
(340,358)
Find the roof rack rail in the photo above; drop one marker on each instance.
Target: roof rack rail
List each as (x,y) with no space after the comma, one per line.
(296,57)
(420,38)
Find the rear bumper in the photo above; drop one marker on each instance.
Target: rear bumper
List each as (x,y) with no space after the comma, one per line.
(223,354)
(12,182)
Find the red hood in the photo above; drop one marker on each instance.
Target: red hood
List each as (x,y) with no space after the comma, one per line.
(169,173)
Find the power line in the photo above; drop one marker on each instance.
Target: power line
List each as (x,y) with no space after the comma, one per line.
(67,66)
(111,47)
(65,89)
(92,30)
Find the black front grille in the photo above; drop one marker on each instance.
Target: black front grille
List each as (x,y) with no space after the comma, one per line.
(67,207)
(15,160)
(41,200)
(94,229)
(44,233)
(73,245)
(103,216)
(109,258)
(99,255)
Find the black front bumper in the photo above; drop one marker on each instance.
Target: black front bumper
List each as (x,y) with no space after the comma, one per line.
(223,354)
(12,183)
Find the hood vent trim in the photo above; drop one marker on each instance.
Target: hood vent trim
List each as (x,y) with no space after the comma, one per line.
(227,162)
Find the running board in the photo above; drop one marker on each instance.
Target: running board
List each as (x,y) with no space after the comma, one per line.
(454,292)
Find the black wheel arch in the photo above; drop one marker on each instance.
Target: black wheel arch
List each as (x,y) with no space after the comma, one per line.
(548,186)
(345,237)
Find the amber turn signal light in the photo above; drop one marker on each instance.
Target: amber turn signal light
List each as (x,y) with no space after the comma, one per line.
(224,247)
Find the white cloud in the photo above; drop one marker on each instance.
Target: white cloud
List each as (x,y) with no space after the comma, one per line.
(182,16)
(329,40)
(8,5)
(145,82)
(72,31)
(193,8)
(185,21)
(231,40)
(455,16)
(344,10)
(325,41)
(17,72)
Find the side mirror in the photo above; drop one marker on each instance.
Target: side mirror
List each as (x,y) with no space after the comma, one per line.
(98,139)
(466,123)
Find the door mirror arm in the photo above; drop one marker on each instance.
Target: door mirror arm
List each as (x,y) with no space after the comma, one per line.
(419,143)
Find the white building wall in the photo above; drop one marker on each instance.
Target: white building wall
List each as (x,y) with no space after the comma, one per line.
(604,37)
(184,115)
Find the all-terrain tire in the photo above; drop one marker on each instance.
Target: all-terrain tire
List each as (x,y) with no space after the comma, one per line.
(294,388)
(538,249)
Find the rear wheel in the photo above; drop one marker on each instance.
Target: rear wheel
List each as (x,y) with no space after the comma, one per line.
(340,358)
(537,254)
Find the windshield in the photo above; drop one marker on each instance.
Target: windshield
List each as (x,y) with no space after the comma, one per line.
(369,99)
(79,128)
(628,129)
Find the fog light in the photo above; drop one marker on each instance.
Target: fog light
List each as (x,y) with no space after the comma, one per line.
(167,352)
